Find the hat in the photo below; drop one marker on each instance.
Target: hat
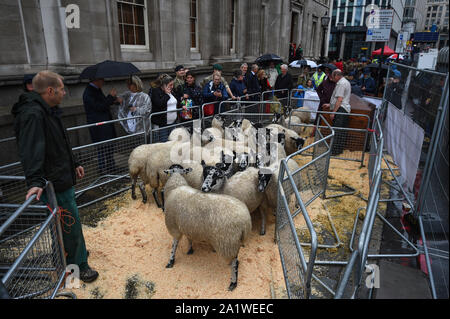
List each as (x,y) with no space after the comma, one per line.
(366,71)
(28,78)
(397,74)
(217,67)
(178,68)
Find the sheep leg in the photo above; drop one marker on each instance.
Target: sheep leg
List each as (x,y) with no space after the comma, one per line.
(191,250)
(263,221)
(234,274)
(133,188)
(163,201)
(144,194)
(172,255)
(156,199)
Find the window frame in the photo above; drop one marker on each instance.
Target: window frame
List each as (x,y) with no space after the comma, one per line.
(197,47)
(137,47)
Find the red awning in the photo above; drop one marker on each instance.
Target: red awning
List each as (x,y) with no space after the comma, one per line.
(387,51)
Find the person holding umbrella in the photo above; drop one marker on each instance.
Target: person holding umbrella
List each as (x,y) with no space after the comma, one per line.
(98,109)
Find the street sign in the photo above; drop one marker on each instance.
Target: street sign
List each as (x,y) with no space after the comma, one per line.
(379,25)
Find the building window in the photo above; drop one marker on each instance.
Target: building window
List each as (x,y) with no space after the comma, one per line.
(133,24)
(194,25)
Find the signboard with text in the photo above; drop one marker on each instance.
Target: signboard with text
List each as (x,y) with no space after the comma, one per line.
(379,25)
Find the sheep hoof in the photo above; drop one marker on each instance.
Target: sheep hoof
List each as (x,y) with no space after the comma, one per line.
(134,197)
(262,233)
(143,201)
(233,285)
(190,252)
(170,264)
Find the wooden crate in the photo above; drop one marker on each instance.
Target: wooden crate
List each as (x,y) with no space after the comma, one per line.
(355,140)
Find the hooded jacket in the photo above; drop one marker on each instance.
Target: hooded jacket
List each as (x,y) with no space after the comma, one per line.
(43,144)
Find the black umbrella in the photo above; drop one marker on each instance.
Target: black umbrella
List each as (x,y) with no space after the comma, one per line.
(109,69)
(332,67)
(267,58)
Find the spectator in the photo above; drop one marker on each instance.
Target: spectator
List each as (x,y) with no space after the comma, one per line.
(253,86)
(356,89)
(309,85)
(368,85)
(339,64)
(318,77)
(164,101)
(244,69)
(215,91)
(264,82)
(340,104)
(284,82)
(394,90)
(299,52)
(193,92)
(135,103)
(46,155)
(217,68)
(98,109)
(325,92)
(291,53)
(237,85)
(271,74)
(304,76)
(178,83)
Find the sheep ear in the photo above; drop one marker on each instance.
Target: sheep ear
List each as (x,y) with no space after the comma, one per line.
(167,171)
(188,170)
(203,163)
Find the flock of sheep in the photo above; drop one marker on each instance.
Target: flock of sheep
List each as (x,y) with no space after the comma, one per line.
(210,181)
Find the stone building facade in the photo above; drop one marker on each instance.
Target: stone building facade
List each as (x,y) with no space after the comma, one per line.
(155,35)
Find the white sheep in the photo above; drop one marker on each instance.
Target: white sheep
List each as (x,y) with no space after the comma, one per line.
(293,141)
(220,220)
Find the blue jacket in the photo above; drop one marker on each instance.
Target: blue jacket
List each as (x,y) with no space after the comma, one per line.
(208,93)
(237,87)
(300,95)
(370,85)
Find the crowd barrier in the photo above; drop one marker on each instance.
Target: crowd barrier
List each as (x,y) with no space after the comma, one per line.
(32,261)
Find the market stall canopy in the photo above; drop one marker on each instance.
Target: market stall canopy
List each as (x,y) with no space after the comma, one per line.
(387,51)
(109,69)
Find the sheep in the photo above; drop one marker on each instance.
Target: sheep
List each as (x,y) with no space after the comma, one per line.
(148,162)
(180,134)
(305,117)
(293,120)
(294,142)
(242,185)
(220,220)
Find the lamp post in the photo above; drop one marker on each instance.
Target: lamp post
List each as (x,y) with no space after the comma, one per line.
(325,21)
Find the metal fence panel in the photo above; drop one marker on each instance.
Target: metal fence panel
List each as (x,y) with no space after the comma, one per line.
(32,264)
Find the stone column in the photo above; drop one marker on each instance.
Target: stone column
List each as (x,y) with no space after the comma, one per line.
(253,12)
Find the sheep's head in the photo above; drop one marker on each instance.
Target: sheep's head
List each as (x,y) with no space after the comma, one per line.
(282,138)
(264,176)
(177,169)
(299,142)
(213,178)
(220,121)
(242,161)
(276,118)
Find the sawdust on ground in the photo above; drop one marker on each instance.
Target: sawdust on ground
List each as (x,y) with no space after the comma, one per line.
(131,248)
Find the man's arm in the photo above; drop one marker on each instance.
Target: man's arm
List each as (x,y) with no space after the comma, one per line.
(31,145)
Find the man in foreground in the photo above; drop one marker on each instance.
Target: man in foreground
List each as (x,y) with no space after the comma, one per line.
(46,155)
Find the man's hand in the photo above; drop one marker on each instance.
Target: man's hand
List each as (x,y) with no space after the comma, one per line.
(332,117)
(326,106)
(35,190)
(80,172)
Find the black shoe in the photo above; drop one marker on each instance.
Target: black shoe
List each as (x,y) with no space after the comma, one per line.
(88,275)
